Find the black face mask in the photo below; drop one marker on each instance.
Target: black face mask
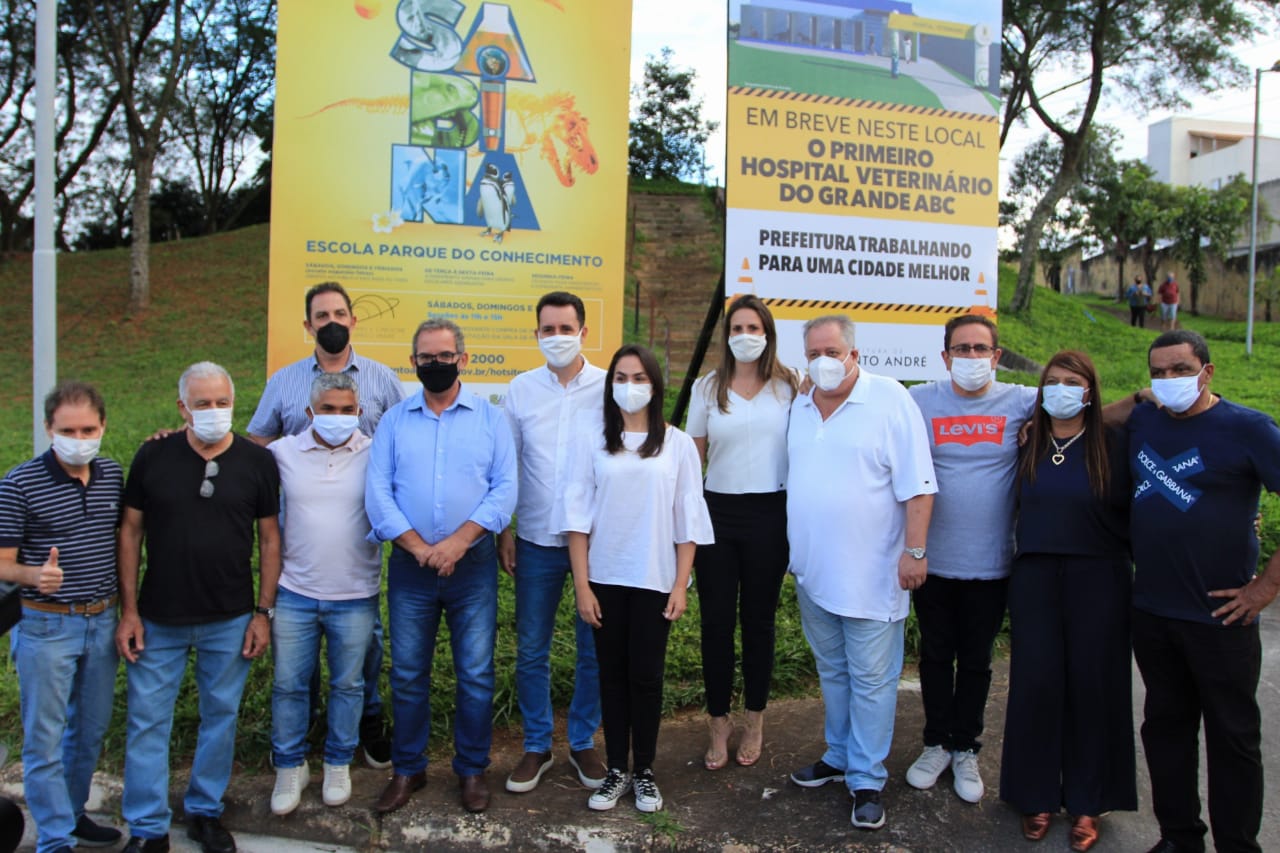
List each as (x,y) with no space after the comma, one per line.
(333,337)
(437,377)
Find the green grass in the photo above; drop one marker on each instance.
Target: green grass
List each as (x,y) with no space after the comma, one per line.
(820,75)
(210,302)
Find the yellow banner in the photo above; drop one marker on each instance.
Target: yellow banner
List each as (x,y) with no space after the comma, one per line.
(929,26)
(861,158)
(450,159)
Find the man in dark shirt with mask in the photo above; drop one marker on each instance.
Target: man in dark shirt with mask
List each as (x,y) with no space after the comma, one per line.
(283,411)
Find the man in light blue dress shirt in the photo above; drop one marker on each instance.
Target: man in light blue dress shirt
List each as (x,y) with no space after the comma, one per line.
(441,482)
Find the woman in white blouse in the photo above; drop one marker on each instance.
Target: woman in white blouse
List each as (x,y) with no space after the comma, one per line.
(634,515)
(738,420)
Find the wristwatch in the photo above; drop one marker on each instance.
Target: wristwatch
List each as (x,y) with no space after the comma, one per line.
(269,612)
(916,553)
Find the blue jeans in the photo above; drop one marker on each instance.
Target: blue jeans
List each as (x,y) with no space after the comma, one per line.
(859,662)
(153,688)
(540,578)
(66,678)
(300,622)
(468,599)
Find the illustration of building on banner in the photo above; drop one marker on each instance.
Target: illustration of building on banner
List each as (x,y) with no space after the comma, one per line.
(458,100)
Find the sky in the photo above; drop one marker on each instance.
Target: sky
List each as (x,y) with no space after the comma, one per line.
(695,31)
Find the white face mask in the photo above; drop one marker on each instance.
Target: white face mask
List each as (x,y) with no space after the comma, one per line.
(632,397)
(827,373)
(211,425)
(1063,401)
(75,451)
(1179,393)
(971,374)
(560,350)
(747,348)
(334,430)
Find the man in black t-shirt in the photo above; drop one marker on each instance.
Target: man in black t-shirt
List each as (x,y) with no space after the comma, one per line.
(195,497)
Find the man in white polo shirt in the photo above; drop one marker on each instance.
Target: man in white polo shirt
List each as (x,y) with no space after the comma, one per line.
(328,587)
(859,495)
(541,405)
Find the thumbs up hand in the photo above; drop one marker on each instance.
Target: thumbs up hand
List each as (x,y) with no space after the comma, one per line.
(49,578)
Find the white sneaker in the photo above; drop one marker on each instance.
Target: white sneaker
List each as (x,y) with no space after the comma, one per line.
(648,797)
(928,767)
(288,790)
(964,766)
(616,783)
(337,784)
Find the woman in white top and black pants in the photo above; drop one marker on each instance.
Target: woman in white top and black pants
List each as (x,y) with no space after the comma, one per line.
(634,515)
(738,420)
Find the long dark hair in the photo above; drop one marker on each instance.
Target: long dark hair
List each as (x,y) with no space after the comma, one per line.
(767,365)
(613,415)
(1095,435)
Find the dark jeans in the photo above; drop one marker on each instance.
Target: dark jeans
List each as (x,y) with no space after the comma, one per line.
(1192,671)
(631,650)
(739,577)
(1068,734)
(1138,316)
(959,620)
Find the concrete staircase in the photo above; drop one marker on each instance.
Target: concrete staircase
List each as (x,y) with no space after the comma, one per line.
(675,247)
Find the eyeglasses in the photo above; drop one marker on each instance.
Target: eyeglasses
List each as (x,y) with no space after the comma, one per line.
(422,359)
(981,350)
(210,471)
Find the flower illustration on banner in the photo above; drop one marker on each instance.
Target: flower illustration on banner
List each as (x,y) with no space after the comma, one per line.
(385,223)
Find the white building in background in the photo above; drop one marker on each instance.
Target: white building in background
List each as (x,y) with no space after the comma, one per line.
(1186,151)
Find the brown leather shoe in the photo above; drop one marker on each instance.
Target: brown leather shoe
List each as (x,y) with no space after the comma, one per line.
(398,791)
(591,770)
(475,792)
(1035,826)
(1084,833)
(528,773)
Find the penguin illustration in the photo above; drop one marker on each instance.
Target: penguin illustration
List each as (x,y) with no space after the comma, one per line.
(492,206)
(509,195)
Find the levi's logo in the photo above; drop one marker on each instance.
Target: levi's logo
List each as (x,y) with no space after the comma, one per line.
(969,429)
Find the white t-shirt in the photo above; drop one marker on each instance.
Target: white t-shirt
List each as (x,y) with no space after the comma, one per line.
(849,480)
(636,510)
(542,414)
(323,526)
(746,446)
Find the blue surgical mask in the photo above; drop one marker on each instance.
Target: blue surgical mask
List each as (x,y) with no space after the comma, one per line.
(335,430)
(1063,401)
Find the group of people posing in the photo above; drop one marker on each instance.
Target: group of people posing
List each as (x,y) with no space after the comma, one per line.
(1100,530)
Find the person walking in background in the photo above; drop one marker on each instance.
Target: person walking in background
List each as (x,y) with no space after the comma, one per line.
(738,421)
(195,497)
(441,481)
(58,518)
(542,405)
(1068,737)
(860,488)
(634,515)
(1138,296)
(329,588)
(1168,293)
(973,423)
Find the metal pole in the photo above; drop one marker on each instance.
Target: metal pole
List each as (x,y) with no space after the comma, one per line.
(1253,210)
(44,262)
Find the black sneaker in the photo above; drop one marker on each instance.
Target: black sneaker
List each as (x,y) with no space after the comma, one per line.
(211,834)
(817,773)
(867,811)
(89,834)
(147,845)
(376,742)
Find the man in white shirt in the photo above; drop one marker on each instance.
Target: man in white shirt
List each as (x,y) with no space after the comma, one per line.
(328,587)
(859,495)
(542,405)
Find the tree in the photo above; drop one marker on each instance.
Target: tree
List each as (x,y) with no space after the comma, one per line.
(1207,222)
(148,47)
(1149,51)
(668,133)
(1125,207)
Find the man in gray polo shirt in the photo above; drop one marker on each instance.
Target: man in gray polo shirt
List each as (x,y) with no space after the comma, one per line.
(283,411)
